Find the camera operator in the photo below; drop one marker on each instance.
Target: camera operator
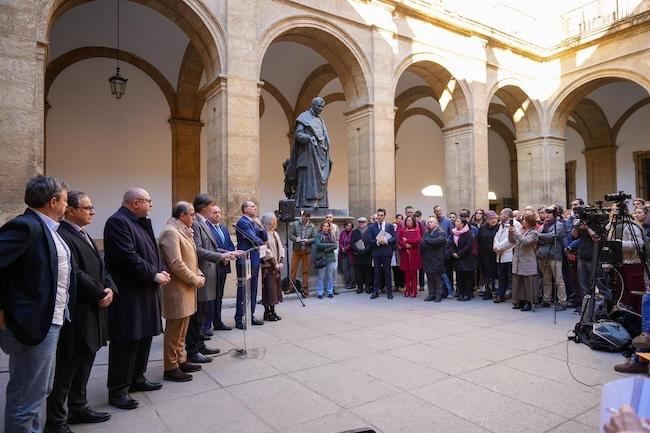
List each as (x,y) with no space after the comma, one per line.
(551,242)
(586,258)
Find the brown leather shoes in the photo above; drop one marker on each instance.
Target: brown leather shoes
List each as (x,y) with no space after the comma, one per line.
(642,341)
(177,375)
(188,367)
(632,367)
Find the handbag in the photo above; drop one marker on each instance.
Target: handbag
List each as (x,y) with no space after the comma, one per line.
(320,262)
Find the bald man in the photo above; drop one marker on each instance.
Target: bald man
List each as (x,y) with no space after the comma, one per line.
(134,317)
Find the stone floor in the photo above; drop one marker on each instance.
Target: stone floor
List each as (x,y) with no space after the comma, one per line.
(393,366)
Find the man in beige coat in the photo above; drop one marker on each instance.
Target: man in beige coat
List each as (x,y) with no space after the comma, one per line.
(178,250)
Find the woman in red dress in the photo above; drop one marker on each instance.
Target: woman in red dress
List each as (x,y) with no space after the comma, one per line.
(408,238)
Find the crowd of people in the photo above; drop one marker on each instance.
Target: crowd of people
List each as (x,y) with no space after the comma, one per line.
(62,299)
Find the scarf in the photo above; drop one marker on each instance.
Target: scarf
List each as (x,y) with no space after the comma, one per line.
(187,231)
(457,233)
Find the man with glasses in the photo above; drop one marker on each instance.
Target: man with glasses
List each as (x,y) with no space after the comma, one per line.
(132,260)
(80,339)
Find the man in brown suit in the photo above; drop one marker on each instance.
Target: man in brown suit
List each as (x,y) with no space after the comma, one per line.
(178,250)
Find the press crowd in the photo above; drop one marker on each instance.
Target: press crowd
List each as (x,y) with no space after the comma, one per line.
(62,299)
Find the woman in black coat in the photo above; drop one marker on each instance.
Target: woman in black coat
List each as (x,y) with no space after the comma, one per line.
(432,247)
(465,262)
(487,258)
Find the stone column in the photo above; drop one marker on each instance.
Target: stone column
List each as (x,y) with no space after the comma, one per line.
(186,166)
(21,106)
(540,165)
(233,116)
(459,167)
(601,172)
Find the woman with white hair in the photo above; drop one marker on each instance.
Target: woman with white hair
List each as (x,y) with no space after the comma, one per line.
(272,264)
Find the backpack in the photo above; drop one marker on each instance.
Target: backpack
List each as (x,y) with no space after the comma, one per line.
(609,336)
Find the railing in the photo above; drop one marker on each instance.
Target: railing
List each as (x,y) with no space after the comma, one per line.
(598,15)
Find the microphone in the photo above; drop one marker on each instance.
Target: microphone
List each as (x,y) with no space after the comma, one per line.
(243,233)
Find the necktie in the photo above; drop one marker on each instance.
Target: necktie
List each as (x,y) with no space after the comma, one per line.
(219,233)
(86,237)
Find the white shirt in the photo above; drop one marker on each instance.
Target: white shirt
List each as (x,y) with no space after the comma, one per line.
(64,267)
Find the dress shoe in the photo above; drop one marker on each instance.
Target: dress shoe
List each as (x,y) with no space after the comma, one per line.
(429,298)
(209,351)
(87,416)
(221,327)
(389,296)
(207,332)
(123,401)
(438,299)
(276,316)
(58,429)
(188,367)
(632,367)
(269,317)
(198,358)
(177,375)
(518,306)
(256,322)
(373,296)
(642,341)
(240,325)
(145,386)
(527,307)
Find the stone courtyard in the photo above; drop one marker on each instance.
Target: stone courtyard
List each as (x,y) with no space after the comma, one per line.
(392,366)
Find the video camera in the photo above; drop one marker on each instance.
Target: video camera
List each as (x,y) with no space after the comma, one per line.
(594,217)
(618,197)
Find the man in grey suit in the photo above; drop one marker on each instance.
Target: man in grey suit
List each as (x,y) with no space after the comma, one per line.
(210,256)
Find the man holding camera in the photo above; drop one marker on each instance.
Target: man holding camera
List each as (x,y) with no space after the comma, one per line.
(586,257)
(551,243)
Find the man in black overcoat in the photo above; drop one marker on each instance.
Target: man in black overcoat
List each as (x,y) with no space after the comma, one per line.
(80,339)
(133,262)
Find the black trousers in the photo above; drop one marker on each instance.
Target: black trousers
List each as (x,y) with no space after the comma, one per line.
(127,363)
(434,283)
(398,277)
(363,275)
(193,342)
(465,282)
(216,304)
(504,271)
(381,266)
(70,380)
(421,278)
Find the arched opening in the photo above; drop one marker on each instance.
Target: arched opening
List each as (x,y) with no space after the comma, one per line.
(157,49)
(431,108)
(607,126)
(299,64)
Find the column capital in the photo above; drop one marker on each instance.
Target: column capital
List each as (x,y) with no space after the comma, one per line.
(216,86)
(462,128)
(534,141)
(359,113)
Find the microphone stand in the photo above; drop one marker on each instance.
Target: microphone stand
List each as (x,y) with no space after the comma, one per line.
(242,279)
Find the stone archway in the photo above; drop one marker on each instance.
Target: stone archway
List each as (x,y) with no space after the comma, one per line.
(343,60)
(455,122)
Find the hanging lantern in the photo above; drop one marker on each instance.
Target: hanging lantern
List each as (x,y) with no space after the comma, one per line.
(117,82)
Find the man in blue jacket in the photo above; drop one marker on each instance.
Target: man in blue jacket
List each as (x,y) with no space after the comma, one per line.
(250,234)
(36,297)
(380,237)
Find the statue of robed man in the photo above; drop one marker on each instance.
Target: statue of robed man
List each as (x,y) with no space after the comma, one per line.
(309,166)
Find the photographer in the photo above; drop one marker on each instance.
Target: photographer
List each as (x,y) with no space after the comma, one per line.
(551,243)
(586,258)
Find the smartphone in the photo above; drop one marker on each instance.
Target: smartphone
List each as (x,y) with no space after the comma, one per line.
(512,222)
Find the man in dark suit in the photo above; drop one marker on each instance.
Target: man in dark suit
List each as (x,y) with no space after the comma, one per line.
(249,234)
(222,237)
(210,258)
(36,296)
(134,317)
(81,339)
(380,237)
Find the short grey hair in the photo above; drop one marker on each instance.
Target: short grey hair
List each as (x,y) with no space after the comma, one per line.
(74,197)
(266,220)
(246,204)
(180,208)
(41,189)
(507,211)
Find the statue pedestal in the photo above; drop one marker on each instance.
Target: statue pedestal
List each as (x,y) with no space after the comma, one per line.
(320,212)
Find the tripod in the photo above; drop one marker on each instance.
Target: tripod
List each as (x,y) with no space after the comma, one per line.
(286,243)
(548,259)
